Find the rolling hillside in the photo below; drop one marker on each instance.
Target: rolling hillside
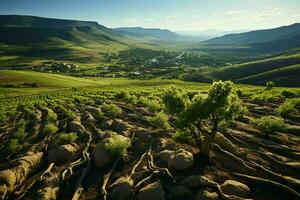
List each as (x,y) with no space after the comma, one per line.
(283,70)
(25,40)
(9,78)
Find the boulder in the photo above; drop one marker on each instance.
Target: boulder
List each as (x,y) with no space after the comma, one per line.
(195,182)
(76,126)
(232,187)
(3,191)
(121,188)
(8,178)
(181,160)
(88,119)
(206,195)
(92,109)
(143,135)
(50,188)
(139,146)
(119,125)
(61,154)
(153,191)
(295,130)
(223,142)
(101,156)
(105,123)
(180,192)
(165,155)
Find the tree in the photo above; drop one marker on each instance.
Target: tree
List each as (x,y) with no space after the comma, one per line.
(202,116)
(270,85)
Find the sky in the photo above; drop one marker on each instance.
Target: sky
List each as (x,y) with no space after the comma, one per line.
(176,15)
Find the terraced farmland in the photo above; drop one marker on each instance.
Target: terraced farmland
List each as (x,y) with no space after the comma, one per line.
(115,140)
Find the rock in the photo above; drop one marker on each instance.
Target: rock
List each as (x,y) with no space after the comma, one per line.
(139,146)
(222,141)
(143,135)
(92,109)
(101,156)
(206,195)
(295,130)
(119,125)
(76,126)
(105,123)
(153,191)
(180,192)
(50,188)
(88,119)
(8,178)
(21,168)
(195,182)
(293,164)
(61,154)
(181,160)
(121,188)
(33,159)
(3,191)
(165,155)
(236,188)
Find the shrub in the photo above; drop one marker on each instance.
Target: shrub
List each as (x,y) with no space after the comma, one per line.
(50,129)
(160,120)
(51,116)
(13,146)
(117,145)
(142,100)
(3,117)
(201,117)
(112,110)
(20,134)
(184,136)
(99,115)
(153,106)
(288,94)
(269,124)
(66,138)
(270,85)
(122,95)
(125,96)
(286,109)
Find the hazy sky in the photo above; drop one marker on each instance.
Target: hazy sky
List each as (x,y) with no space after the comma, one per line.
(177,15)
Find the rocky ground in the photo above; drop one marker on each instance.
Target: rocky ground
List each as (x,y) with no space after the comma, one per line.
(244,163)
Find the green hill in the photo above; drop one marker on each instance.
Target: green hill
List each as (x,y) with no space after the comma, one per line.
(283,70)
(13,78)
(26,40)
(285,76)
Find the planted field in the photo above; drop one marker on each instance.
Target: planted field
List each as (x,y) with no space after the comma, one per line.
(121,140)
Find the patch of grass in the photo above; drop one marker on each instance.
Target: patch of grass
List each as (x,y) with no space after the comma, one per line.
(13,146)
(184,137)
(50,129)
(112,110)
(269,124)
(117,145)
(160,120)
(51,116)
(286,109)
(66,138)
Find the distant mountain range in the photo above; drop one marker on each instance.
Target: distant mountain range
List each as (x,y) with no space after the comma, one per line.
(150,33)
(270,39)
